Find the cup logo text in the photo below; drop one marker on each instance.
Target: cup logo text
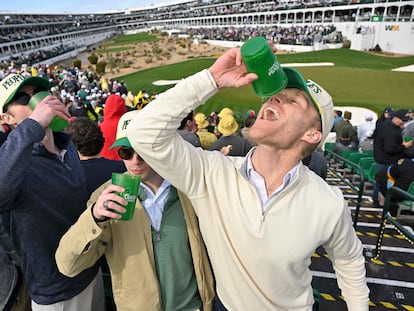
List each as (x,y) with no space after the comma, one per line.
(275,67)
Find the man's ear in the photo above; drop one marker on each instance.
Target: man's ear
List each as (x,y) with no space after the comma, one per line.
(312,136)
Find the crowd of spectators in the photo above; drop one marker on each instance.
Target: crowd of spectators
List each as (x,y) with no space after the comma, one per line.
(213,8)
(17,27)
(295,35)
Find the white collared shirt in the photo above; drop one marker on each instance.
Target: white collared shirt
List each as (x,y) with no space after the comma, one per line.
(154,203)
(258,182)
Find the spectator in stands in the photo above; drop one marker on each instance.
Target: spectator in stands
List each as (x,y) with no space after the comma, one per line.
(248,123)
(237,145)
(114,108)
(206,138)
(79,110)
(317,163)
(408,132)
(90,110)
(344,143)
(42,193)
(84,82)
(225,111)
(385,115)
(157,260)
(188,129)
(88,140)
(72,85)
(337,117)
(368,143)
(367,126)
(246,205)
(346,134)
(212,124)
(122,88)
(401,174)
(389,147)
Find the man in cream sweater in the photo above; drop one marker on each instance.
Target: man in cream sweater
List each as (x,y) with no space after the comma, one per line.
(262,216)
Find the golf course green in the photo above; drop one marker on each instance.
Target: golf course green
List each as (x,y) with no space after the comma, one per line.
(357,79)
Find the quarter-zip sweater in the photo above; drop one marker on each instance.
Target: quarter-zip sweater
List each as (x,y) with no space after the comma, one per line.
(260,261)
(41,196)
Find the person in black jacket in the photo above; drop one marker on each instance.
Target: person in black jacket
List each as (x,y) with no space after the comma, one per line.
(389,147)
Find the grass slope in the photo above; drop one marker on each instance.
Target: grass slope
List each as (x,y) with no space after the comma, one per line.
(132,39)
(357,79)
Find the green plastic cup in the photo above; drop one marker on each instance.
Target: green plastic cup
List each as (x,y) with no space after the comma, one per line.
(57,123)
(131,184)
(260,59)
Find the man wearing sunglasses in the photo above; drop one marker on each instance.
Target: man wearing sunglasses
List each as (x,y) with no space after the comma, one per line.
(42,193)
(157,260)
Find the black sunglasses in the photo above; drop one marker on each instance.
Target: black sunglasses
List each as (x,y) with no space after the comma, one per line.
(21,98)
(126,153)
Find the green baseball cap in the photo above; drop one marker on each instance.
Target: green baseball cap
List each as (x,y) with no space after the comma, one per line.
(319,97)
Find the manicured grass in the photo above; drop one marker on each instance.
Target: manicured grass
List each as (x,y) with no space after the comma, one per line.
(134,38)
(114,50)
(348,58)
(357,79)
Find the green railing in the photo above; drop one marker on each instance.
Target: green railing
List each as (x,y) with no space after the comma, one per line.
(386,217)
(355,169)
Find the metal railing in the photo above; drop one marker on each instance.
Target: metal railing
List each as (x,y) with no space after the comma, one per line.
(387,217)
(355,169)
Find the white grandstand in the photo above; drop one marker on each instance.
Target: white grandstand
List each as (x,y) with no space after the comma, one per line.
(367,24)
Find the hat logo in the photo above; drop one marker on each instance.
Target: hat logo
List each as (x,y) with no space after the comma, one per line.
(12,81)
(314,87)
(125,124)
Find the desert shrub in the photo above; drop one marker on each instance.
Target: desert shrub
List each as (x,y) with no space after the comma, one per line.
(100,67)
(167,55)
(93,59)
(346,44)
(156,49)
(77,63)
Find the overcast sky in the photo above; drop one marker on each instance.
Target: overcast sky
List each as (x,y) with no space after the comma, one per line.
(78,6)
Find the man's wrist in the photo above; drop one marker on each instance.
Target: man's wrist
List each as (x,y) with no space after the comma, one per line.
(97,220)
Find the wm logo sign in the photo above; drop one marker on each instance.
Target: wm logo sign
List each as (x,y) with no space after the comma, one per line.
(392,28)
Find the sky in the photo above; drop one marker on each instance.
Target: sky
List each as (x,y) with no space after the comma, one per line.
(78,6)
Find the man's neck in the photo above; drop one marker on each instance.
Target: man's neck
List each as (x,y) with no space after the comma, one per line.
(49,142)
(273,165)
(153,181)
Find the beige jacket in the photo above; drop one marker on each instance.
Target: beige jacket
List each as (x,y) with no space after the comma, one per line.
(134,281)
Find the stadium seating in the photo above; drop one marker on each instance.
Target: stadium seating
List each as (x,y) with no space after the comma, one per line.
(329,146)
(406,207)
(365,163)
(355,157)
(371,173)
